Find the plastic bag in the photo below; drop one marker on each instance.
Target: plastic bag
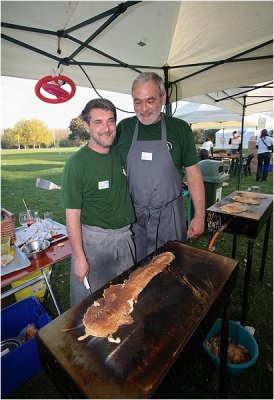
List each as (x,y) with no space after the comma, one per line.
(28,332)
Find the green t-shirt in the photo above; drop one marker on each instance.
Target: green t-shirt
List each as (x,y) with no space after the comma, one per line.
(180,139)
(95,183)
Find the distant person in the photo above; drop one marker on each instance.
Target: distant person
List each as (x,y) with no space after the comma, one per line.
(265,147)
(99,210)
(235,142)
(206,149)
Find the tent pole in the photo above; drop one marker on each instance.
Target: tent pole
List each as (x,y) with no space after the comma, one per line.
(241,147)
(168,106)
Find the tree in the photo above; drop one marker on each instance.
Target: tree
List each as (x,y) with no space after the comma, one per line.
(198,135)
(32,132)
(77,130)
(9,139)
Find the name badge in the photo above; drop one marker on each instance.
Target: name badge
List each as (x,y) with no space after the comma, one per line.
(146,156)
(103,185)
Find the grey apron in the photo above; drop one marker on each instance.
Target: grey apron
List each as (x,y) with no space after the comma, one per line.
(109,252)
(156,190)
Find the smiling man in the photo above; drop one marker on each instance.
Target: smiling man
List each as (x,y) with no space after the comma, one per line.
(155,148)
(98,206)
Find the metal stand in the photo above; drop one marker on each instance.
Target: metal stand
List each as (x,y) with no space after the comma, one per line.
(223,354)
(43,275)
(266,236)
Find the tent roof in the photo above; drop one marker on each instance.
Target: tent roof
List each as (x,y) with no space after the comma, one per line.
(198,47)
(201,113)
(255,98)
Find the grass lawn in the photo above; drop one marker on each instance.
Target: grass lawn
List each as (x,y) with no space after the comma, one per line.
(199,378)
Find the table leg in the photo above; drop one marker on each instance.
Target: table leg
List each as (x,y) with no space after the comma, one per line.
(234,242)
(50,290)
(266,236)
(247,280)
(223,354)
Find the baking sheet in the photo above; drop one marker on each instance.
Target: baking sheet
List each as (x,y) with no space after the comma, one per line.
(56,226)
(59,229)
(20,261)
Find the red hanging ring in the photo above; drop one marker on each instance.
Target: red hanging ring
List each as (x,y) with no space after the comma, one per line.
(52,85)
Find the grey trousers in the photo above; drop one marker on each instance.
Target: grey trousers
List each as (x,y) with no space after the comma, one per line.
(109,252)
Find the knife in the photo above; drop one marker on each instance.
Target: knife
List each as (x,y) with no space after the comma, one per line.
(87,285)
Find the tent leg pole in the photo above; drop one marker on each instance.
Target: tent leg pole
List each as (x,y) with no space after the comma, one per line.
(241,147)
(168,106)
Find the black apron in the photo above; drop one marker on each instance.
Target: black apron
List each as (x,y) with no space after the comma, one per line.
(156,190)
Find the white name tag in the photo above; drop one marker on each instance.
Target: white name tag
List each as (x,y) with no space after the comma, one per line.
(146,156)
(103,185)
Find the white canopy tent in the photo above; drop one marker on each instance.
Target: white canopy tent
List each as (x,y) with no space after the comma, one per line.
(198,47)
(201,113)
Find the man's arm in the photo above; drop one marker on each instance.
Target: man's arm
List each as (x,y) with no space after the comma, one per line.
(73,223)
(197,192)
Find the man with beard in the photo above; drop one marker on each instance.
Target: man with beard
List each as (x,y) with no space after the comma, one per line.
(98,206)
(154,149)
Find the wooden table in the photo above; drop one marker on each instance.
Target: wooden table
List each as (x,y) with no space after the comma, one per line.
(224,155)
(229,157)
(172,317)
(53,255)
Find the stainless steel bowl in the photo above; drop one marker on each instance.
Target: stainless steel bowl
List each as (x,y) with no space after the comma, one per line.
(35,249)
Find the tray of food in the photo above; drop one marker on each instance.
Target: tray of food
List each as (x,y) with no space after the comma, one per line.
(14,262)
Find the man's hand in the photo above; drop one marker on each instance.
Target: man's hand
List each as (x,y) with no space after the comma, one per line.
(81,268)
(196,228)
(197,194)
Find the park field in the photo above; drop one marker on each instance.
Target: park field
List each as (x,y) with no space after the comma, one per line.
(199,379)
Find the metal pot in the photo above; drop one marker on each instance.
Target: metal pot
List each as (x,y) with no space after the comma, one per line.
(35,249)
(9,344)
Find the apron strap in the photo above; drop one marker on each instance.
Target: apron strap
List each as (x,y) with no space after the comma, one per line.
(163,130)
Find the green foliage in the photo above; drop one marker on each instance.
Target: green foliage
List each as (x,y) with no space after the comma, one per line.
(77,130)
(67,142)
(9,139)
(200,135)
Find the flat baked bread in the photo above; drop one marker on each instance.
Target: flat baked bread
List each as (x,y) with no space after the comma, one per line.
(6,259)
(252,195)
(246,200)
(113,310)
(234,208)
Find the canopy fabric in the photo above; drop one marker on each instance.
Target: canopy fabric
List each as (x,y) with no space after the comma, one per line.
(198,47)
(221,125)
(201,113)
(248,99)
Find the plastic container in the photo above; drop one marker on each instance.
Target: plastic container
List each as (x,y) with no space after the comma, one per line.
(5,245)
(22,362)
(239,335)
(37,289)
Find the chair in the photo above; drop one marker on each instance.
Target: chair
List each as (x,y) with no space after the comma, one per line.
(245,165)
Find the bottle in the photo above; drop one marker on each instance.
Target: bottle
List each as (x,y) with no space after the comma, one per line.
(36,216)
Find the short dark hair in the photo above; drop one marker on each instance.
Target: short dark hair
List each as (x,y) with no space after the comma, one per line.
(150,76)
(264,133)
(103,104)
